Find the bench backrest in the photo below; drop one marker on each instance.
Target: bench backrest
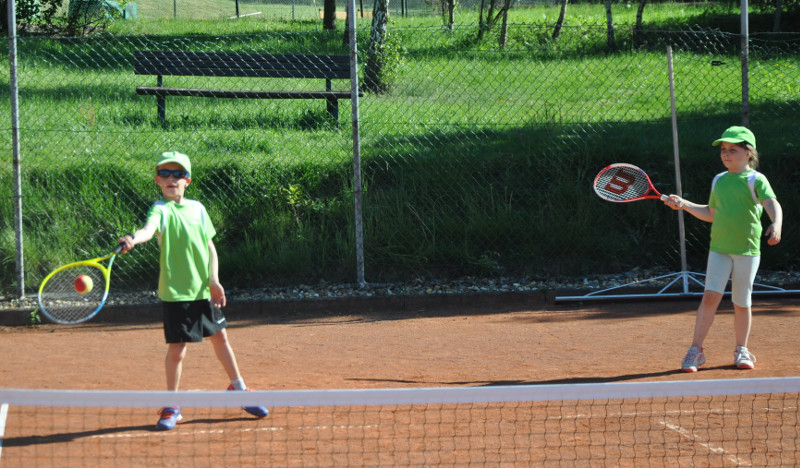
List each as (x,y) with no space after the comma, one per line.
(241,64)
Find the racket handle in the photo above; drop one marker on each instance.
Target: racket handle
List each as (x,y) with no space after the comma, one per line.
(121,246)
(664,198)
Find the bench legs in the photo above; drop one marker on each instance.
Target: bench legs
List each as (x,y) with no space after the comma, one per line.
(162,104)
(332,105)
(333,109)
(162,110)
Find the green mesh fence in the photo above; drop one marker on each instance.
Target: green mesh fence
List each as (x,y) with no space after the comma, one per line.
(477,160)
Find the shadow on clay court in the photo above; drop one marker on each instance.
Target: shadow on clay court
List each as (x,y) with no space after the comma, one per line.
(572,380)
(71,436)
(65,437)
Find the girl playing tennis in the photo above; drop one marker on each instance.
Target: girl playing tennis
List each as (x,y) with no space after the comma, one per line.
(738,198)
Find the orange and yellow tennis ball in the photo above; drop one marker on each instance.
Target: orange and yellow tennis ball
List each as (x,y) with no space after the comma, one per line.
(83,284)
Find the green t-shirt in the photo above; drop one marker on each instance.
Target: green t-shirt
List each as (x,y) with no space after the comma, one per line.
(736,228)
(183,234)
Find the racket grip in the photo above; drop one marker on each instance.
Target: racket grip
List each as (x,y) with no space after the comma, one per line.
(664,198)
(120,246)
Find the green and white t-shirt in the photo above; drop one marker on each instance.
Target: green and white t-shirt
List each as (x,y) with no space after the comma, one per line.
(736,200)
(183,234)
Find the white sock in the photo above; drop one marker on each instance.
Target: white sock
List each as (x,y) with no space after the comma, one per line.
(238,384)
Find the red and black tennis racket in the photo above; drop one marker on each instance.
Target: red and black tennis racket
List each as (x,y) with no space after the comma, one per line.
(623,182)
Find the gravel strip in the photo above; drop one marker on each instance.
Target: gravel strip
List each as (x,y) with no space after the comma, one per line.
(468,285)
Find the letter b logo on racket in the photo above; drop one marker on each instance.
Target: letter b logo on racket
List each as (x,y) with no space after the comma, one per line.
(625,183)
(621,182)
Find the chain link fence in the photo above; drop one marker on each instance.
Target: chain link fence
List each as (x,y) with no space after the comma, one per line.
(477,161)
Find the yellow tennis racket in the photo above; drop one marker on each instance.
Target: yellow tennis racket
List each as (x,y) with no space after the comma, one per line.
(74,293)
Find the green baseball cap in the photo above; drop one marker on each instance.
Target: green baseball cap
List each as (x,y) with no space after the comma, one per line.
(737,135)
(176,157)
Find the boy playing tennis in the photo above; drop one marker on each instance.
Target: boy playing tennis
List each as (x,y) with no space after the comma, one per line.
(188,282)
(738,197)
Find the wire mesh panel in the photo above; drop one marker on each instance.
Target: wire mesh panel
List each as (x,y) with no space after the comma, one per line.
(470,149)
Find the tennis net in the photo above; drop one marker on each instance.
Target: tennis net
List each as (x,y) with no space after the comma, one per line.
(741,422)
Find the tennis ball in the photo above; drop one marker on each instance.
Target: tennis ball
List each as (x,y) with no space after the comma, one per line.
(83,284)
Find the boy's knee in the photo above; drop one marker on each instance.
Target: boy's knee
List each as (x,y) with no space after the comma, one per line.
(176,351)
(219,337)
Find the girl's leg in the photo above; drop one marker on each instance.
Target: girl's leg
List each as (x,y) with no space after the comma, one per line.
(718,271)
(705,316)
(174,364)
(741,324)
(742,278)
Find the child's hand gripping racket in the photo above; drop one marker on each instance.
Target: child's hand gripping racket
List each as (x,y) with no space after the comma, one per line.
(74,293)
(625,183)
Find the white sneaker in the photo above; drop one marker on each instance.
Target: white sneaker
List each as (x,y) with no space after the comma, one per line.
(743,359)
(694,358)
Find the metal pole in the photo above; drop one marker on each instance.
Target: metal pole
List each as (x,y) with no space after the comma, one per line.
(677,159)
(745,34)
(12,60)
(359,224)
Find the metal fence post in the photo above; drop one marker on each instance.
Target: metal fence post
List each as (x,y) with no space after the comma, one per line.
(12,60)
(359,225)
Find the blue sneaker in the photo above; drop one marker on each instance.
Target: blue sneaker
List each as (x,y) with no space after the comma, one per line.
(257,411)
(168,418)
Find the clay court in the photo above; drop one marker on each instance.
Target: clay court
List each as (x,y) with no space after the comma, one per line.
(509,341)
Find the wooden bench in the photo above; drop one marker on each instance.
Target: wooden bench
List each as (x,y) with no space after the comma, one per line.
(176,63)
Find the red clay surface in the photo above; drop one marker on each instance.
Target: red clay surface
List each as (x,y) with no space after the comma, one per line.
(455,346)
(569,343)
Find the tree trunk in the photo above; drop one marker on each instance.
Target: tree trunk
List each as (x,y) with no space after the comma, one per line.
(451,13)
(329,15)
(776,25)
(504,30)
(560,22)
(494,15)
(373,70)
(612,44)
(448,13)
(638,33)
(346,35)
(481,23)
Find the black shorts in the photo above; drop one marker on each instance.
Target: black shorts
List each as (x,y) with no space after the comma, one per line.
(191,321)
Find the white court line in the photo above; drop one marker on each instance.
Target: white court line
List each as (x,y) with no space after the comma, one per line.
(177,431)
(716,450)
(3,416)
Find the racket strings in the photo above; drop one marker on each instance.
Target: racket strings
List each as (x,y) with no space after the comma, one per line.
(621,183)
(61,300)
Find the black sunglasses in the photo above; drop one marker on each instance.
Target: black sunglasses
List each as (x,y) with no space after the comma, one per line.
(176,173)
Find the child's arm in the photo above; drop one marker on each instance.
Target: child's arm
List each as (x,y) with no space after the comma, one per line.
(217,291)
(139,237)
(701,212)
(775,212)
